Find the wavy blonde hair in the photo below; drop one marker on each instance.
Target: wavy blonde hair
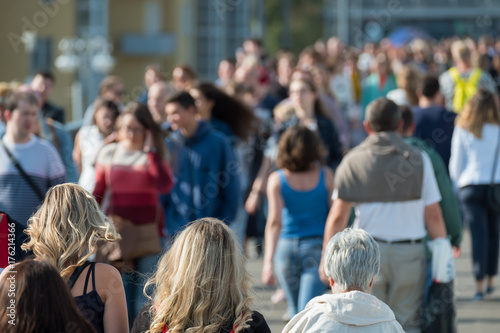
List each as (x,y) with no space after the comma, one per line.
(201,284)
(480,109)
(65,229)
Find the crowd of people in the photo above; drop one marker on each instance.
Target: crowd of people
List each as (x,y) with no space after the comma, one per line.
(174,185)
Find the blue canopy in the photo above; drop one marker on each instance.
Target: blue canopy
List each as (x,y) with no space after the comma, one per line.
(404,35)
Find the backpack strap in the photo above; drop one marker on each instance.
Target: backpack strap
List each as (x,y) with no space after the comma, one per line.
(55,139)
(464,88)
(475,76)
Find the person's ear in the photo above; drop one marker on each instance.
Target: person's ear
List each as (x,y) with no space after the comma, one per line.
(367,127)
(330,280)
(7,115)
(400,126)
(369,291)
(412,129)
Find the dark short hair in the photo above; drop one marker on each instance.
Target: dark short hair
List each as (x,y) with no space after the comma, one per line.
(406,116)
(230,60)
(186,69)
(13,100)
(48,75)
(101,102)
(299,148)
(182,98)
(383,115)
(429,86)
(256,40)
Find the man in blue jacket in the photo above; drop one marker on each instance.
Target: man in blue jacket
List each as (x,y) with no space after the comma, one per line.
(205,168)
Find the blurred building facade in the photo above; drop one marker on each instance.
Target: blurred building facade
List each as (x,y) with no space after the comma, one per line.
(141,32)
(360,21)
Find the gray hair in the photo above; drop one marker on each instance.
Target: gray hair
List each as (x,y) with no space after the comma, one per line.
(352,259)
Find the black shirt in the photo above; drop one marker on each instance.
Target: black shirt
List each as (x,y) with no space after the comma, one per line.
(52,111)
(257,325)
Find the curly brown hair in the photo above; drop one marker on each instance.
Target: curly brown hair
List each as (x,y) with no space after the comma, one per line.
(299,149)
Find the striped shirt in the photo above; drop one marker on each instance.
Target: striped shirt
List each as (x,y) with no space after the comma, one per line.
(41,162)
(133,181)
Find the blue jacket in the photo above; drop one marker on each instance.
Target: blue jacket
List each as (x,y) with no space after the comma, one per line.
(206,179)
(64,148)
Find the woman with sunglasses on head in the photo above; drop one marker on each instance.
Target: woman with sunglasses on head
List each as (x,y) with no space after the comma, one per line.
(130,175)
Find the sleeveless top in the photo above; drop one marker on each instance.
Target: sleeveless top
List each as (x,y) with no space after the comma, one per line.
(304,213)
(90,304)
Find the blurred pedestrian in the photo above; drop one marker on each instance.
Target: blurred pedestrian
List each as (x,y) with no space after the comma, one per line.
(299,199)
(474,165)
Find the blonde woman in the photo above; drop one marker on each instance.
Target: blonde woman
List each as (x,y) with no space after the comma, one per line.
(406,93)
(201,285)
(64,232)
(472,167)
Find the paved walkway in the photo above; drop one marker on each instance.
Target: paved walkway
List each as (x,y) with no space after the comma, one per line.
(476,317)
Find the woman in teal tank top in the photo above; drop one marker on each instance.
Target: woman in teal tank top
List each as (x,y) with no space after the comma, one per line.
(299,196)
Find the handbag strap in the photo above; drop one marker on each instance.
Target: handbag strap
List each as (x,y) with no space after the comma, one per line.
(492,182)
(23,173)
(108,179)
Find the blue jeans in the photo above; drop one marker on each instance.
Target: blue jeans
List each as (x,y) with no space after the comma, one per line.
(134,282)
(296,265)
(484,226)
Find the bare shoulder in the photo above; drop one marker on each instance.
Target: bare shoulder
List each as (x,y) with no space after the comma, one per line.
(329,176)
(5,273)
(105,271)
(274,179)
(108,280)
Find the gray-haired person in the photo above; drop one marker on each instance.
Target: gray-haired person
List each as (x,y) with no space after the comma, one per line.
(352,261)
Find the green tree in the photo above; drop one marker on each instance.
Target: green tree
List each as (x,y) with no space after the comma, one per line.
(306,24)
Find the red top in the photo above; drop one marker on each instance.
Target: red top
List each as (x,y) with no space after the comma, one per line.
(4,241)
(134,184)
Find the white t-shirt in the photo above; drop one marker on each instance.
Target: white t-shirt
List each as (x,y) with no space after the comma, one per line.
(393,221)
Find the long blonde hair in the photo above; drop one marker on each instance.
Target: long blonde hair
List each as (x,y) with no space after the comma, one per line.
(65,229)
(480,109)
(201,284)
(407,79)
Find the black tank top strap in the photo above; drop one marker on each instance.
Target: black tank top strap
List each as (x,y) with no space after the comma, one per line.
(91,268)
(76,274)
(93,275)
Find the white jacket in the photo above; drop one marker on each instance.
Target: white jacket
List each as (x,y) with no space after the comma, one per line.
(353,311)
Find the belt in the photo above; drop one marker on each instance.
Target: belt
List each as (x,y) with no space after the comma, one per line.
(403,241)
